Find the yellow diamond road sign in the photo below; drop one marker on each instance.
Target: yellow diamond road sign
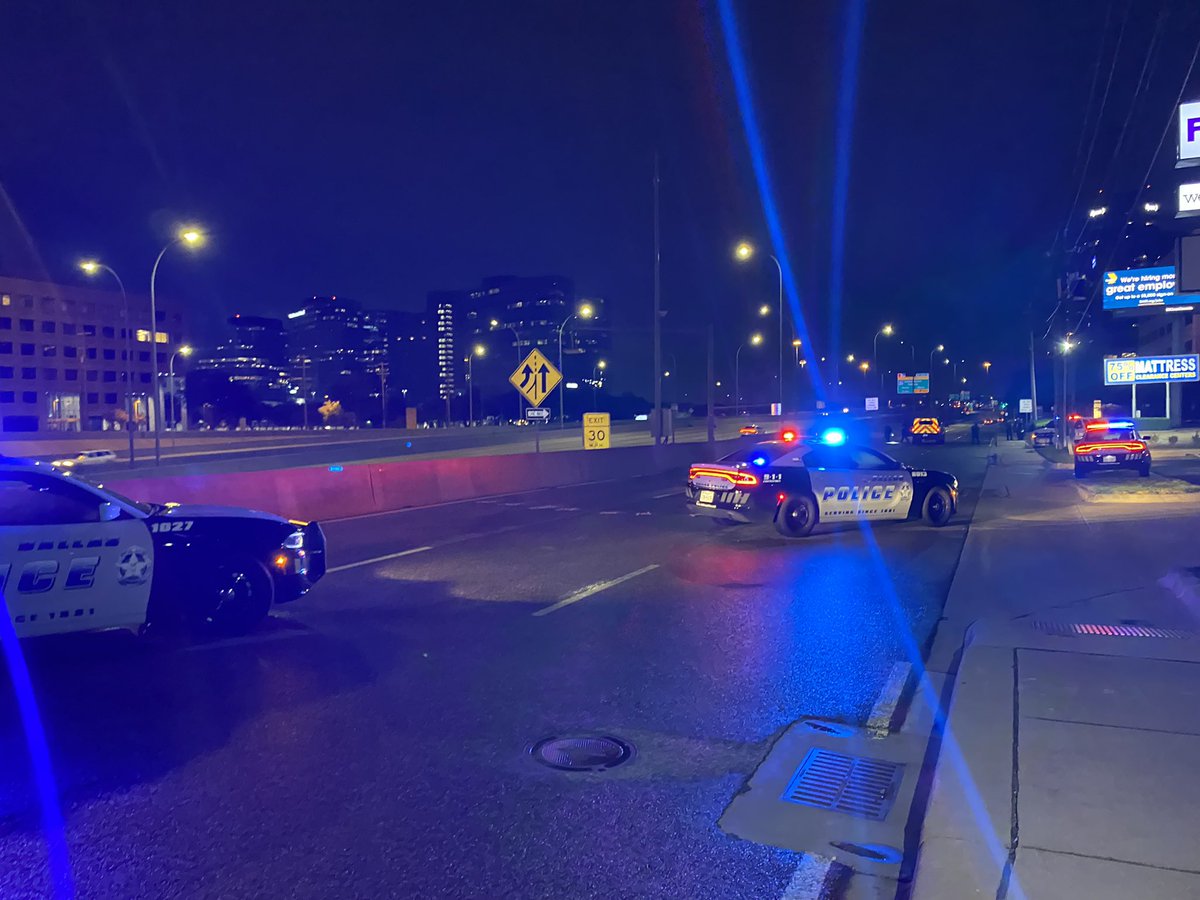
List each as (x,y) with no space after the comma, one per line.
(535,378)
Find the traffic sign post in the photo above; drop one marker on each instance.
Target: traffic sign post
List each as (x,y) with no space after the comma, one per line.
(596,431)
(872,404)
(537,414)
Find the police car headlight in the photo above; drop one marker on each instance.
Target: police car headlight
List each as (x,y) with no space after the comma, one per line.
(294,541)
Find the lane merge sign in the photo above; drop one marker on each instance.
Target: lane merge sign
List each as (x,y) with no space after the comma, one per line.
(597,432)
(535,378)
(535,413)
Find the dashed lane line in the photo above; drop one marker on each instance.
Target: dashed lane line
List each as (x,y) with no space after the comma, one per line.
(584,593)
(808,881)
(377,559)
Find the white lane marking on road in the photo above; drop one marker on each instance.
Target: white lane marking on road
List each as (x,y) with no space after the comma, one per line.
(889,696)
(808,881)
(545,506)
(675,493)
(584,593)
(642,514)
(377,559)
(610,512)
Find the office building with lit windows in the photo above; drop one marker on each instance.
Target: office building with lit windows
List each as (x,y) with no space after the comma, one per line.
(64,363)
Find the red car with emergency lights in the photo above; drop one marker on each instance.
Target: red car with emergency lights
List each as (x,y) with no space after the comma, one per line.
(1110,444)
(797,484)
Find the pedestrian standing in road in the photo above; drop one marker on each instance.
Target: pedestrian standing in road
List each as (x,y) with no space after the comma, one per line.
(974,432)
(1008,429)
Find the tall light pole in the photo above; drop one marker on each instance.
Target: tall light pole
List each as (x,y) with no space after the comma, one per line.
(886,331)
(796,349)
(742,252)
(184,351)
(755,340)
(584,312)
(191,237)
(940,348)
(304,361)
(477,350)
(496,326)
(91,267)
(598,368)
(383,374)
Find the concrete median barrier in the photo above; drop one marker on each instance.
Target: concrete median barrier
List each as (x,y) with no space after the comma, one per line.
(331,492)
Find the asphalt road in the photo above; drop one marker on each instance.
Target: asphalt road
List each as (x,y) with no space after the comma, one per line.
(371,740)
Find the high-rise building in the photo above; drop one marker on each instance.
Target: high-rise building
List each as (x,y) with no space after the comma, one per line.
(332,339)
(64,363)
(511,315)
(255,354)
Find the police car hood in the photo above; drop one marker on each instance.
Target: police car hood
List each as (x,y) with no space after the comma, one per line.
(204,511)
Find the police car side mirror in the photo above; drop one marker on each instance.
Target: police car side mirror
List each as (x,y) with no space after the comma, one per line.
(109,511)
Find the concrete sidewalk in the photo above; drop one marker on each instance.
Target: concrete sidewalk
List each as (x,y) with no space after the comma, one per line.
(1068,765)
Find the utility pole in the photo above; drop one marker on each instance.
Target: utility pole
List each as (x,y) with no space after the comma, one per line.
(712,389)
(1032,378)
(657,429)
(383,373)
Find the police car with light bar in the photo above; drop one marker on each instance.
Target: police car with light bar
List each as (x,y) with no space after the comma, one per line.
(797,484)
(75,556)
(1113,444)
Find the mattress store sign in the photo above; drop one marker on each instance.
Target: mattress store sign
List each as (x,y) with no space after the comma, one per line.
(1136,288)
(1152,369)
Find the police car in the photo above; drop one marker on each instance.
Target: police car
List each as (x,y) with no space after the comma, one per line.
(1111,445)
(75,556)
(797,484)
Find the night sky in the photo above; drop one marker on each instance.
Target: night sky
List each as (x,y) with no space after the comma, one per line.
(379,151)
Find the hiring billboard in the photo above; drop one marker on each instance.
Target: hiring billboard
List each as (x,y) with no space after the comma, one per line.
(1141,288)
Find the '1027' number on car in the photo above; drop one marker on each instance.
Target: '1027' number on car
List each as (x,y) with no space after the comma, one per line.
(185,525)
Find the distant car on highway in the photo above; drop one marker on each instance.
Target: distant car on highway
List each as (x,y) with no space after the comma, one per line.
(797,484)
(86,458)
(75,556)
(1111,444)
(746,430)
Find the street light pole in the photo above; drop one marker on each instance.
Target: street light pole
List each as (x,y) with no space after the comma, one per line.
(91,267)
(585,312)
(886,330)
(186,351)
(755,340)
(188,236)
(496,326)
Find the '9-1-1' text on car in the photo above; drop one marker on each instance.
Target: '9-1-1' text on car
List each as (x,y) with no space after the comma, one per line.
(796,485)
(75,556)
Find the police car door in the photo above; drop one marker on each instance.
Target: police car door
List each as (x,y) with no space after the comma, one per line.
(885,487)
(62,568)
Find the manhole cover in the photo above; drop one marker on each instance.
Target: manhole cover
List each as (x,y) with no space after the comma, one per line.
(589,753)
(851,784)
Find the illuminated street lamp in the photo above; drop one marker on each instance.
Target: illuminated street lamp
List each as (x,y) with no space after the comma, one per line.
(796,349)
(585,311)
(742,252)
(886,331)
(764,310)
(91,267)
(189,237)
(184,351)
(477,350)
(850,357)
(597,369)
(755,340)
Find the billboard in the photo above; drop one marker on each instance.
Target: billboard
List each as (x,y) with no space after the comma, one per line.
(1189,199)
(1188,254)
(904,383)
(921,383)
(1139,288)
(1152,369)
(1189,133)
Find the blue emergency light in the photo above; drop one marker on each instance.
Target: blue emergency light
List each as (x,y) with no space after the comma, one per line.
(759,460)
(833,437)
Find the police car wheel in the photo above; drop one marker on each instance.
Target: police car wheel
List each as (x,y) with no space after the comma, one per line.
(938,507)
(796,516)
(240,596)
(1080,472)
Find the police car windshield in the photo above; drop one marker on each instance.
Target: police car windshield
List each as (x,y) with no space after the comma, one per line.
(147,508)
(772,450)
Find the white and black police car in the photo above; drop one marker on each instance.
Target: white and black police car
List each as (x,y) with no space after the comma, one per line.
(75,556)
(797,484)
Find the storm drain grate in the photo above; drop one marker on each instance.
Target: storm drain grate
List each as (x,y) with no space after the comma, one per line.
(851,784)
(1074,629)
(589,753)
